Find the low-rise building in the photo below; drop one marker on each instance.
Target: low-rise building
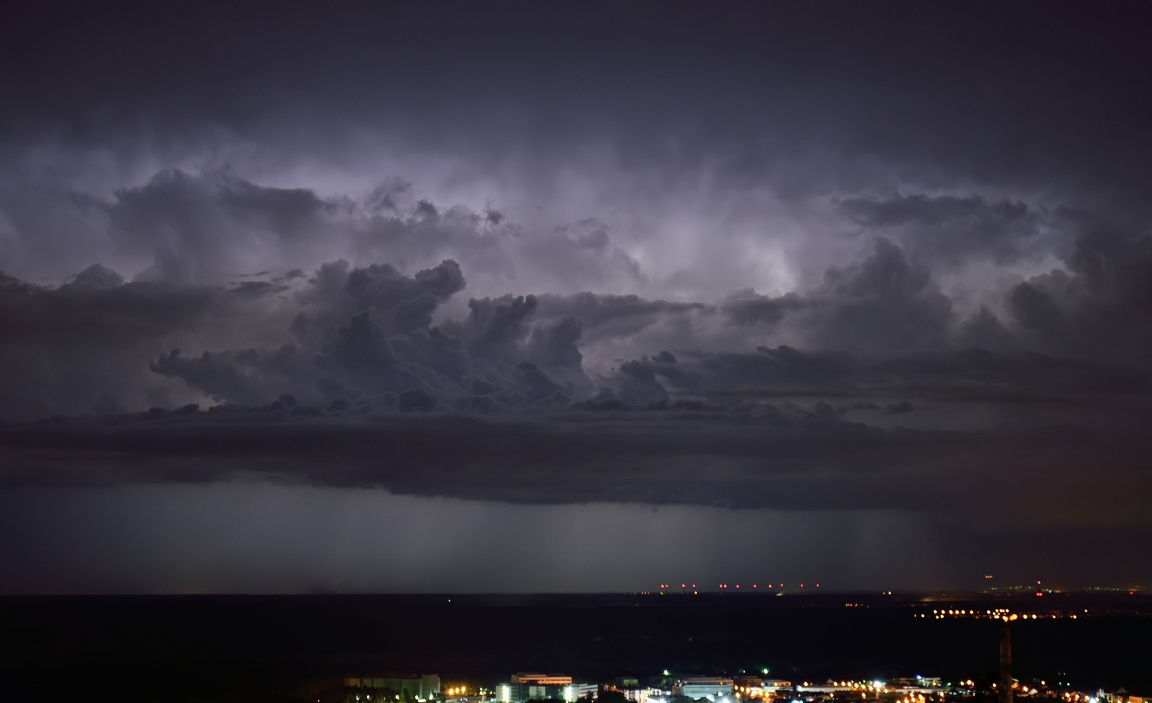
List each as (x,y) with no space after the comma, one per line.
(712,688)
(532,686)
(416,688)
(541,679)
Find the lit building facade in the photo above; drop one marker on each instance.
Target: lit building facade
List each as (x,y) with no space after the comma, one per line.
(706,687)
(529,686)
(421,688)
(542,679)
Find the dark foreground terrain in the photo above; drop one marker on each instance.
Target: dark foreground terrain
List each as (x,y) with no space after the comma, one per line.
(268,648)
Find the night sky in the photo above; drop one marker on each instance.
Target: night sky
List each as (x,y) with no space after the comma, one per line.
(542,296)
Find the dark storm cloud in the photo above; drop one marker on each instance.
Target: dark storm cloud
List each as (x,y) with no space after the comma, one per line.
(614,316)
(1100,305)
(214,225)
(588,255)
(43,225)
(848,258)
(687,84)
(952,228)
(766,458)
(184,220)
(356,332)
(403,231)
(748,307)
(211,225)
(882,301)
(177,227)
(339,290)
(366,334)
(1096,308)
(78,348)
(733,428)
(955,374)
(885,300)
(249,376)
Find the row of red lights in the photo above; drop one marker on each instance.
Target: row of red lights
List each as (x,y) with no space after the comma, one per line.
(723,585)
